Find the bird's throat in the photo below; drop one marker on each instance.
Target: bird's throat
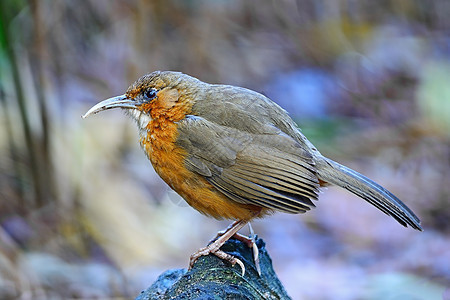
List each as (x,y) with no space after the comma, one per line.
(158,141)
(142,120)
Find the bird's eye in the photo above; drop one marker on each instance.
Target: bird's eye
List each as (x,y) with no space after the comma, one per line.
(150,94)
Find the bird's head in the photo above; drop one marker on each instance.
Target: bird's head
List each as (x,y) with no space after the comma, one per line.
(168,94)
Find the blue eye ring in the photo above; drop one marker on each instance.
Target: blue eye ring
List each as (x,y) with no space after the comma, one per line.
(150,94)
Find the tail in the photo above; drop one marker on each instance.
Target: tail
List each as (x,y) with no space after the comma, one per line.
(334,173)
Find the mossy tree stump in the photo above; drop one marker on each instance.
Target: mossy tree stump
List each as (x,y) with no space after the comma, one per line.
(213,278)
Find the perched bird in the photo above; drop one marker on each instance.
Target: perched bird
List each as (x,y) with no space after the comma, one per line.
(233,153)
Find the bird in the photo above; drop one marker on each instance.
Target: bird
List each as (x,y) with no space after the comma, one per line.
(232,153)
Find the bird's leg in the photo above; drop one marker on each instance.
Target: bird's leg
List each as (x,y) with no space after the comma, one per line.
(222,232)
(250,241)
(214,247)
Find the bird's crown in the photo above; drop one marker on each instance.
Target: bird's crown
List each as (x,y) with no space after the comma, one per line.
(159,80)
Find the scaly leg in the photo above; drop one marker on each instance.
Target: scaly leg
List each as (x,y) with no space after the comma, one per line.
(222,232)
(214,247)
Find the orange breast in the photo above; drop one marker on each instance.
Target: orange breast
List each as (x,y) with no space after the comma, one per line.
(168,161)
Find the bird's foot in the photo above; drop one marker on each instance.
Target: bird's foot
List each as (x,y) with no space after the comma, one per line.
(214,247)
(217,252)
(250,241)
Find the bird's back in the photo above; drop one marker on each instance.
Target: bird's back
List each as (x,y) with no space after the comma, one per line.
(247,111)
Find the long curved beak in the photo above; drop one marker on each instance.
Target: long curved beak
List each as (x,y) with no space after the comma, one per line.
(121,101)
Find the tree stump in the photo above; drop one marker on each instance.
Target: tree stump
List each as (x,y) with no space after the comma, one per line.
(213,278)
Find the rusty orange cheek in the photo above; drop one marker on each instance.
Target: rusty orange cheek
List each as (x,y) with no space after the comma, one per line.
(165,100)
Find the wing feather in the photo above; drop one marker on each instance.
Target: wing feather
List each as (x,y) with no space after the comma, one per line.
(275,183)
(287,176)
(254,194)
(269,169)
(282,165)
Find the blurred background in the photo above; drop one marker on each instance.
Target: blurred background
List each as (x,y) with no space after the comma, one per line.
(83,214)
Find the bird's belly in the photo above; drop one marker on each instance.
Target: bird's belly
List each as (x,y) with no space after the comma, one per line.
(168,161)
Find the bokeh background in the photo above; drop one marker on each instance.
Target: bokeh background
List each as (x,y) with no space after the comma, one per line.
(83,214)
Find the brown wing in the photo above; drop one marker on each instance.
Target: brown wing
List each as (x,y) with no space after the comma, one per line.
(270,170)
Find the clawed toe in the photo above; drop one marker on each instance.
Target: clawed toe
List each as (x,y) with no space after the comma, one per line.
(221,238)
(220,254)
